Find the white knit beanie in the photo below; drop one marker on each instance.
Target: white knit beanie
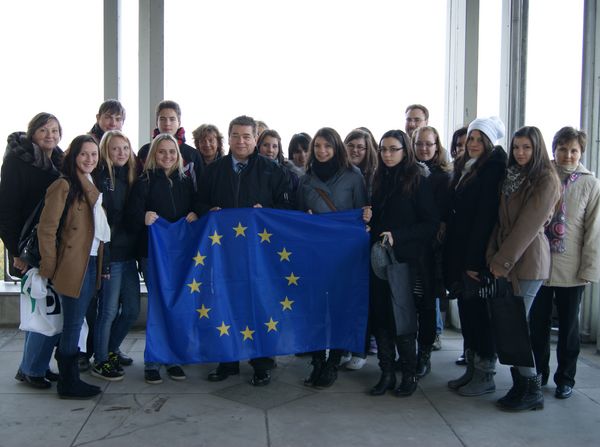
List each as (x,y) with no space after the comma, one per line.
(492,127)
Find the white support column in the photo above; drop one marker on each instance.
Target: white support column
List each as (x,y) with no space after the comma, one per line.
(462,57)
(151,63)
(462,64)
(111,49)
(590,122)
(515,15)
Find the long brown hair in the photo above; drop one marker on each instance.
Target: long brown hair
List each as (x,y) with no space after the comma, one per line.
(408,175)
(69,168)
(488,148)
(339,150)
(540,165)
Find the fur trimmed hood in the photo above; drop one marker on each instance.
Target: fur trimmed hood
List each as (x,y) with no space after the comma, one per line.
(20,147)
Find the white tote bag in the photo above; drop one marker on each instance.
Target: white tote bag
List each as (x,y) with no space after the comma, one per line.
(40,312)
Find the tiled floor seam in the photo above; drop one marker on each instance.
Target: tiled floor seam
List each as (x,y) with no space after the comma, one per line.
(450,427)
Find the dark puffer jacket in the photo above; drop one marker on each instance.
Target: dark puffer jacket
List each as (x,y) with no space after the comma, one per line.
(26,174)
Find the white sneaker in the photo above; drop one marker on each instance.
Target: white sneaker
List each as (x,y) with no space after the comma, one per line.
(356,363)
(346,357)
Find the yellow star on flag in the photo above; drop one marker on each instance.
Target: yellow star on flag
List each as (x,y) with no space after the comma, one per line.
(286,303)
(194,286)
(239,230)
(215,238)
(271,325)
(247,333)
(199,258)
(292,279)
(264,236)
(223,329)
(284,255)
(203,311)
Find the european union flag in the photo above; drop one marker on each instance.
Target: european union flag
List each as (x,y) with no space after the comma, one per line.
(246,283)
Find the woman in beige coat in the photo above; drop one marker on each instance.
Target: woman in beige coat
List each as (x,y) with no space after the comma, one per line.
(71,233)
(574,233)
(519,249)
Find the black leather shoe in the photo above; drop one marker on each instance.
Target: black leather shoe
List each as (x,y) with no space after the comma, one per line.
(461,361)
(35,382)
(220,374)
(261,378)
(51,376)
(563,392)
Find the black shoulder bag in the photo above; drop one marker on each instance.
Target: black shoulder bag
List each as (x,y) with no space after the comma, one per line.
(29,248)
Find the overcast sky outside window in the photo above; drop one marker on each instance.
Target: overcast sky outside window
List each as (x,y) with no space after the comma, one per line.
(298,66)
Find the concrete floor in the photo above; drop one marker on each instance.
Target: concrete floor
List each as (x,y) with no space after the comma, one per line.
(196,412)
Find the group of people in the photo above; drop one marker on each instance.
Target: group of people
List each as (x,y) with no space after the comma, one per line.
(458,220)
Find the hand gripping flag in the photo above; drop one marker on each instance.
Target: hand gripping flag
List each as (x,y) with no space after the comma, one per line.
(246,283)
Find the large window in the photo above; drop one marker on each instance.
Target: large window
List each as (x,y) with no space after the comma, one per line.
(52,59)
(554,65)
(489,55)
(314,64)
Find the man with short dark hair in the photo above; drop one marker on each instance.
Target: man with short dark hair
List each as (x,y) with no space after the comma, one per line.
(111,116)
(244,179)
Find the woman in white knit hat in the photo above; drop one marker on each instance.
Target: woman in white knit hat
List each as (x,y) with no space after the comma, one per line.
(473,213)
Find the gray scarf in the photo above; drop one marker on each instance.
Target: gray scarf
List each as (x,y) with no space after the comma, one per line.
(513,180)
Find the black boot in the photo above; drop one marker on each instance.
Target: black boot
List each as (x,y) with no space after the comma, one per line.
(467,375)
(317,367)
(424,360)
(408,361)
(516,389)
(529,397)
(70,386)
(328,374)
(387,381)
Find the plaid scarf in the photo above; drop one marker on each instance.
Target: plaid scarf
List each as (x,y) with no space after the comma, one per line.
(179,135)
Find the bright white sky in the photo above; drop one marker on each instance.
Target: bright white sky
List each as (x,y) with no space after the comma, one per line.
(298,66)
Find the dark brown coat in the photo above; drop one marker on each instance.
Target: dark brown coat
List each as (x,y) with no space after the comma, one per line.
(66,264)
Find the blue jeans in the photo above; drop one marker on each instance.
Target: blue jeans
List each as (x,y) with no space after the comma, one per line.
(37,352)
(529,289)
(439,322)
(123,288)
(74,310)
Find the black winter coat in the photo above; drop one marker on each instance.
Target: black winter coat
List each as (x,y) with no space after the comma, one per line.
(170,197)
(472,215)
(262,181)
(114,201)
(413,221)
(23,183)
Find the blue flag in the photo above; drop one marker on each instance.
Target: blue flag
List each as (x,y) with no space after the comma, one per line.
(245,283)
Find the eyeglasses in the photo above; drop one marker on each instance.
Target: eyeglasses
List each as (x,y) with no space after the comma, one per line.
(422,144)
(389,150)
(358,147)
(414,120)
